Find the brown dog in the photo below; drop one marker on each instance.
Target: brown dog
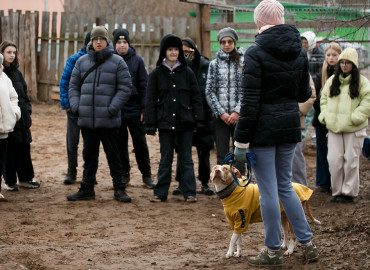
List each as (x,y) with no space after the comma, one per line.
(242,206)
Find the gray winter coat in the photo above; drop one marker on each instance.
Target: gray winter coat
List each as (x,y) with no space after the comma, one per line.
(99,99)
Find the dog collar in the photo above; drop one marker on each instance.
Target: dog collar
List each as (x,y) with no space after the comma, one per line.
(226,192)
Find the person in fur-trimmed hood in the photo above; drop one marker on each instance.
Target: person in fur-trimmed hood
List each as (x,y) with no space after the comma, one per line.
(223,91)
(174,107)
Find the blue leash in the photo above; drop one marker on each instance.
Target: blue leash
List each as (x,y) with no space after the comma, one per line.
(229,159)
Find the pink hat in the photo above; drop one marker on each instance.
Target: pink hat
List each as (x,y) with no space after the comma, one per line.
(269,12)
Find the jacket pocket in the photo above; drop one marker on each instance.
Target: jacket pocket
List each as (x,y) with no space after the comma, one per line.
(186,115)
(160,109)
(360,135)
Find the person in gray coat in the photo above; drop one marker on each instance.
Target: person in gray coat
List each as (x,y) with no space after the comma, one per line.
(100,86)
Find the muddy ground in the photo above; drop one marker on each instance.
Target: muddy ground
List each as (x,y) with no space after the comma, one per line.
(40,229)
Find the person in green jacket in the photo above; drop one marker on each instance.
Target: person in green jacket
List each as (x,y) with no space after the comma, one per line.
(345,109)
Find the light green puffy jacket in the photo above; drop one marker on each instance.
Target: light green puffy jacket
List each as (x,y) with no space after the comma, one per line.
(341,113)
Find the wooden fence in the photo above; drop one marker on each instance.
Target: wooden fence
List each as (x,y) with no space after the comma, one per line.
(43,55)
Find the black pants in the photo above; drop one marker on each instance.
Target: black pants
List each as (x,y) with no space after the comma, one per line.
(73,138)
(109,139)
(18,162)
(137,132)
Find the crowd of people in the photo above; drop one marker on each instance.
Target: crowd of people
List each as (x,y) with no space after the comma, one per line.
(260,101)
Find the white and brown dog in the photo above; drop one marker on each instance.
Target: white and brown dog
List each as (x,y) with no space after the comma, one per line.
(242,207)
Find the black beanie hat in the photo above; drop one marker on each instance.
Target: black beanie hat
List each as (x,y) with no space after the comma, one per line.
(87,38)
(171,40)
(121,33)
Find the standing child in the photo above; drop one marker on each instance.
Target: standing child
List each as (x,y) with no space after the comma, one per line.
(9,114)
(223,91)
(174,107)
(345,109)
(18,161)
(332,53)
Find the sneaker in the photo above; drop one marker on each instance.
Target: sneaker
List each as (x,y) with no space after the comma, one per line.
(2,198)
(191,199)
(310,253)
(156,199)
(29,184)
(267,257)
(177,191)
(11,188)
(206,190)
(148,182)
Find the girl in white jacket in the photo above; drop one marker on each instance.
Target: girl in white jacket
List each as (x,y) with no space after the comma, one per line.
(10,113)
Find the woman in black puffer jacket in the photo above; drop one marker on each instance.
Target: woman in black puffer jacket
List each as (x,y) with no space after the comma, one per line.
(18,161)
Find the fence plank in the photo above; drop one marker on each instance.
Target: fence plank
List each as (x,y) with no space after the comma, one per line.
(147,29)
(180,27)
(167,25)
(5,28)
(33,90)
(71,31)
(62,42)
(157,29)
(27,52)
(43,89)
(15,28)
(129,27)
(80,30)
(10,15)
(21,43)
(53,47)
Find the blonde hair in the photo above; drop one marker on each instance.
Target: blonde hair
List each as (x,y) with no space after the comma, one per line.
(324,77)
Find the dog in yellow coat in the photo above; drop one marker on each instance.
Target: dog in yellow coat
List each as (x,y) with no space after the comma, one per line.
(242,207)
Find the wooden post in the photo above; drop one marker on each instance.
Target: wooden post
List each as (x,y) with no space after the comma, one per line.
(27,54)
(43,89)
(203,36)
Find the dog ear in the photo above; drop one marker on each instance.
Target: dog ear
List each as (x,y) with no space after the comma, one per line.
(237,173)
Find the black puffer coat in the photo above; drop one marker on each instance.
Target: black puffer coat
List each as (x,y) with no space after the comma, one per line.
(275,79)
(22,132)
(98,101)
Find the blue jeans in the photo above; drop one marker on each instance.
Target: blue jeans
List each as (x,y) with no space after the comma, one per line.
(273,172)
(322,166)
(182,141)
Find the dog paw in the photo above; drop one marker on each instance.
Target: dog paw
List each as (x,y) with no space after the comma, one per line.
(228,255)
(283,246)
(237,254)
(288,252)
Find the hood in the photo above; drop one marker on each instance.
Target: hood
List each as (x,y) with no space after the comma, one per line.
(102,55)
(131,52)
(170,40)
(194,47)
(311,39)
(282,41)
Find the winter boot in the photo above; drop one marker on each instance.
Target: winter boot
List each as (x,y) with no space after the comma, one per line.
(70,177)
(147,181)
(207,190)
(126,178)
(120,190)
(86,192)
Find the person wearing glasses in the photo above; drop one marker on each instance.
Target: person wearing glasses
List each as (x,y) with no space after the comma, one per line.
(345,109)
(99,88)
(223,91)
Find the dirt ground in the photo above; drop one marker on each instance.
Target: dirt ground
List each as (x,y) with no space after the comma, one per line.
(40,229)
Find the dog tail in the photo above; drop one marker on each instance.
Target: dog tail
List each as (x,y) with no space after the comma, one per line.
(308,208)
